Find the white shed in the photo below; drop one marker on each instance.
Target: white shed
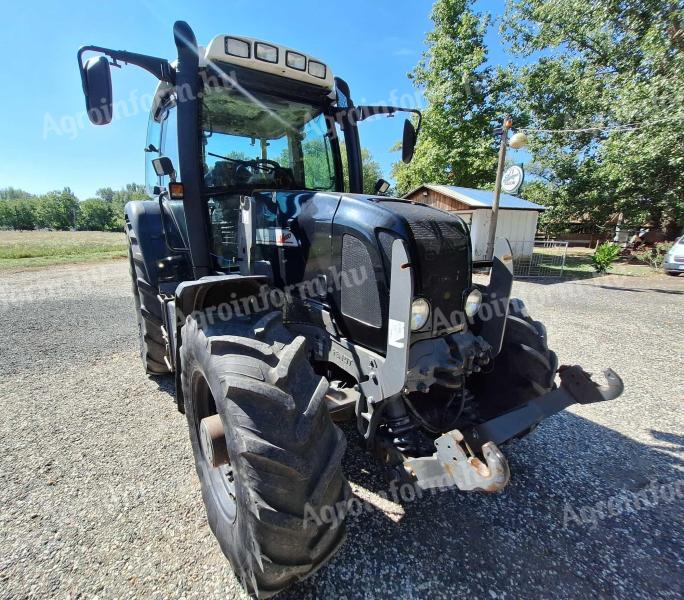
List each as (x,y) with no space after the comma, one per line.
(517,217)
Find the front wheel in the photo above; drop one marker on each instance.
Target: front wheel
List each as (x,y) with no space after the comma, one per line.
(523,370)
(148,312)
(282,471)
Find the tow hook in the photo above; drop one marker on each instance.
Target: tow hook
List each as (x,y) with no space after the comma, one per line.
(585,391)
(452,466)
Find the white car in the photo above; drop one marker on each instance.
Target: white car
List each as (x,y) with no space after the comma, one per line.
(674,259)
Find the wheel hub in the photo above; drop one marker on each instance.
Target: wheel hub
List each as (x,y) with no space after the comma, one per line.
(213,441)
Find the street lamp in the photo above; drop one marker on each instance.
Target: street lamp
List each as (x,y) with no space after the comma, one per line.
(519,140)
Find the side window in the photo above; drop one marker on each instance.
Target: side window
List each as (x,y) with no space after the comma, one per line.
(152,151)
(169,141)
(319,173)
(343,153)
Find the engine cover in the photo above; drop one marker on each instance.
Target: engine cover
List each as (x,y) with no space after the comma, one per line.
(345,241)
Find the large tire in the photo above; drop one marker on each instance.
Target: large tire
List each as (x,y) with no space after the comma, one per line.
(148,311)
(285,452)
(524,369)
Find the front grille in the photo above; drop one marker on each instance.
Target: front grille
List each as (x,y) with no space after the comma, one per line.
(442,246)
(679,259)
(359,301)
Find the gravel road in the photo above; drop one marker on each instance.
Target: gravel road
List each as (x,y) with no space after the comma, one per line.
(98,494)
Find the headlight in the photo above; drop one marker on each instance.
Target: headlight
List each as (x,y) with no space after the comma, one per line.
(266,52)
(237,47)
(317,69)
(295,60)
(473,303)
(420,311)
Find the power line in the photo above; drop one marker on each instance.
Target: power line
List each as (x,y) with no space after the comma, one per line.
(619,128)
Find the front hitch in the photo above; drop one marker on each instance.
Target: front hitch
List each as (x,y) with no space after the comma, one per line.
(454,465)
(455,462)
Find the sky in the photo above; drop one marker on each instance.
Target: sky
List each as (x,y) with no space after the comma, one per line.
(49,143)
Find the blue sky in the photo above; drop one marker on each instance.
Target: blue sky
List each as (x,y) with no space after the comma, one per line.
(372,45)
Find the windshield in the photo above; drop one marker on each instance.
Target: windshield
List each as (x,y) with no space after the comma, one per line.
(264,142)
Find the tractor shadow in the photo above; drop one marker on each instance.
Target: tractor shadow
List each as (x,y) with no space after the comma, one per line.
(165,383)
(547,534)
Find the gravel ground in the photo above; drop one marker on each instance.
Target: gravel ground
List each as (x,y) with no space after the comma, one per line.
(98,494)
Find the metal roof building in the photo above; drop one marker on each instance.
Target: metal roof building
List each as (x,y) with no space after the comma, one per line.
(517,220)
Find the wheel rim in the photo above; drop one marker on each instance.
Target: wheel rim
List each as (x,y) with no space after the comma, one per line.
(220,480)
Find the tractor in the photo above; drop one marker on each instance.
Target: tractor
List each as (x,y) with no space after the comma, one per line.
(284,300)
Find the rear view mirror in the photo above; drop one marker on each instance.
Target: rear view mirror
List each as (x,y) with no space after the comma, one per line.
(163,167)
(381,187)
(98,90)
(408,144)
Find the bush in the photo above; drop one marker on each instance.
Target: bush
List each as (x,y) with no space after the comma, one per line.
(654,256)
(58,210)
(18,214)
(604,256)
(95,215)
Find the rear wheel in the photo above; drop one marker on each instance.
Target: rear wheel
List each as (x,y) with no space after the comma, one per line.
(523,370)
(277,507)
(148,311)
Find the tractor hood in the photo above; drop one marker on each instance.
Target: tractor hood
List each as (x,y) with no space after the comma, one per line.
(304,233)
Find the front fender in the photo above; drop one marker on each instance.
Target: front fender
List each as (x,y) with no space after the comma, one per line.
(194,298)
(143,220)
(490,322)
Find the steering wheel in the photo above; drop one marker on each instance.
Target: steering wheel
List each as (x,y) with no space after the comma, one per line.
(265,164)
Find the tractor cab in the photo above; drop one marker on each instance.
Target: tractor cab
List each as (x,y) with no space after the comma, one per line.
(240,116)
(266,122)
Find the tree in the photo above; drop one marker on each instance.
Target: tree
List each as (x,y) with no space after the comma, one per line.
(58,210)
(95,215)
(371,171)
(106,194)
(604,65)
(369,166)
(465,98)
(117,199)
(18,214)
(10,193)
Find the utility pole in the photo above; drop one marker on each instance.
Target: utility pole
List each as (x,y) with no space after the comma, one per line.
(507,124)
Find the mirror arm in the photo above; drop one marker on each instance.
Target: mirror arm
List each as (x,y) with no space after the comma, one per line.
(363,112)
(159,67)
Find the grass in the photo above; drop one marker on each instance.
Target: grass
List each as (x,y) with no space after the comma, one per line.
(578,265)
(27,249)
(34,249)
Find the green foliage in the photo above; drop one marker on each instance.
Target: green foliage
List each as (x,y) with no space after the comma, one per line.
(602,64)
(465,97)
(96,215)
(318,166)
(17,214)
(655,256)
(371,171)
(117,199)
(10,193)
(604,256)
(63,211)
(58,210)
(580,65)
(370,168)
